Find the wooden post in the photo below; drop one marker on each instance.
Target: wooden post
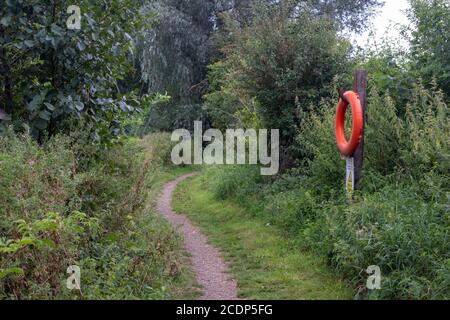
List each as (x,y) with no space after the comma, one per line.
(360,87)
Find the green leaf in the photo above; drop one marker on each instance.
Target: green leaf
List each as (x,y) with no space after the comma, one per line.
(49,106)
(45,115)
(79,106)
(26,242)
(115,50)
(29,43)
(56,29)
(125,107)
(5,21)
(46,243)
(81,46)
(19,45)
(41,124)
(37,101)
(6,272)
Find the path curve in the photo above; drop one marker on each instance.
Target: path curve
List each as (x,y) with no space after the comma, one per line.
(210,269)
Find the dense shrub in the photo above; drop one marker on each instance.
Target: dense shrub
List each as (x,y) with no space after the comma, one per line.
(34,180)
(273,68)
(50,73)
(63,206)
(159,148)
(394,229)
(170,115)
(398,221)
(237,182)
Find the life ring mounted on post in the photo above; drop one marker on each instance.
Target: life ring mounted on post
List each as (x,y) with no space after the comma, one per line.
(347,148)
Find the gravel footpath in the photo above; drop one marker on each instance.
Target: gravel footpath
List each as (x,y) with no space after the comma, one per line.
(208,265)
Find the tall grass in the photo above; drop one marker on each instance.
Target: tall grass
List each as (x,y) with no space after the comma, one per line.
(399,219)
(68,202)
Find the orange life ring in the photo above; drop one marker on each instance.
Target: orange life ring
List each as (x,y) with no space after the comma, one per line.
(347,148)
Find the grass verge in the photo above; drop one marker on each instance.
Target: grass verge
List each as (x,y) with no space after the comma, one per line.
(266,265)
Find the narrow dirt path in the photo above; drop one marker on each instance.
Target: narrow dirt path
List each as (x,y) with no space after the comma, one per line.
(208,265)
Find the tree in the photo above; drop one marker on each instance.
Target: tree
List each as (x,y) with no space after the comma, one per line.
(174,54)
(51,73)
(275,68)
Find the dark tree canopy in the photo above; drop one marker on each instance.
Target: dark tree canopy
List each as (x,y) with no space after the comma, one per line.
(50,72)
(175,53)
(187,36)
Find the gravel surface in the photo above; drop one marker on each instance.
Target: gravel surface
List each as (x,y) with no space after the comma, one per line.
(208,265)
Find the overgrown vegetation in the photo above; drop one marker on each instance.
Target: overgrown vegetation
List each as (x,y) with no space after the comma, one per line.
(265,264)
(398,221)
(263,41)
(77,186)
(60,208)
(51,73)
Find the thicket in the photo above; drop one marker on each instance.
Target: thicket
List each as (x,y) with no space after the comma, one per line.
(69,202)
(76,188)
(399,219)
(51,73)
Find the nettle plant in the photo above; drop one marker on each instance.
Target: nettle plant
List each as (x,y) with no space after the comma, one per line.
(60,59)
(42,251)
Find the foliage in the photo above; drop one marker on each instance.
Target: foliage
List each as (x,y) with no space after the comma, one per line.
(174,53)
(61,206)
(171,114)
(246,177)
(346,14)
(430,41)
(186,36)
(274,68)
(134,124)
(159,148)
(77,191)
(50,72)
(394,229)
(388,66)
(228,105)
(398,221)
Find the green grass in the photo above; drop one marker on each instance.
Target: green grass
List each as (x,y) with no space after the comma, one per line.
(266,265)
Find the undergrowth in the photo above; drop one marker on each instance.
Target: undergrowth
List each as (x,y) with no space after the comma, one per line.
(68,202)
(398,221)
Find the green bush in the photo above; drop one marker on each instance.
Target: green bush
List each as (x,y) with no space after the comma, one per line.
(274,68)
(292,210)
(405,236)
(398,220)
(159,148)
(235,182)
(34,180)
(69,202)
